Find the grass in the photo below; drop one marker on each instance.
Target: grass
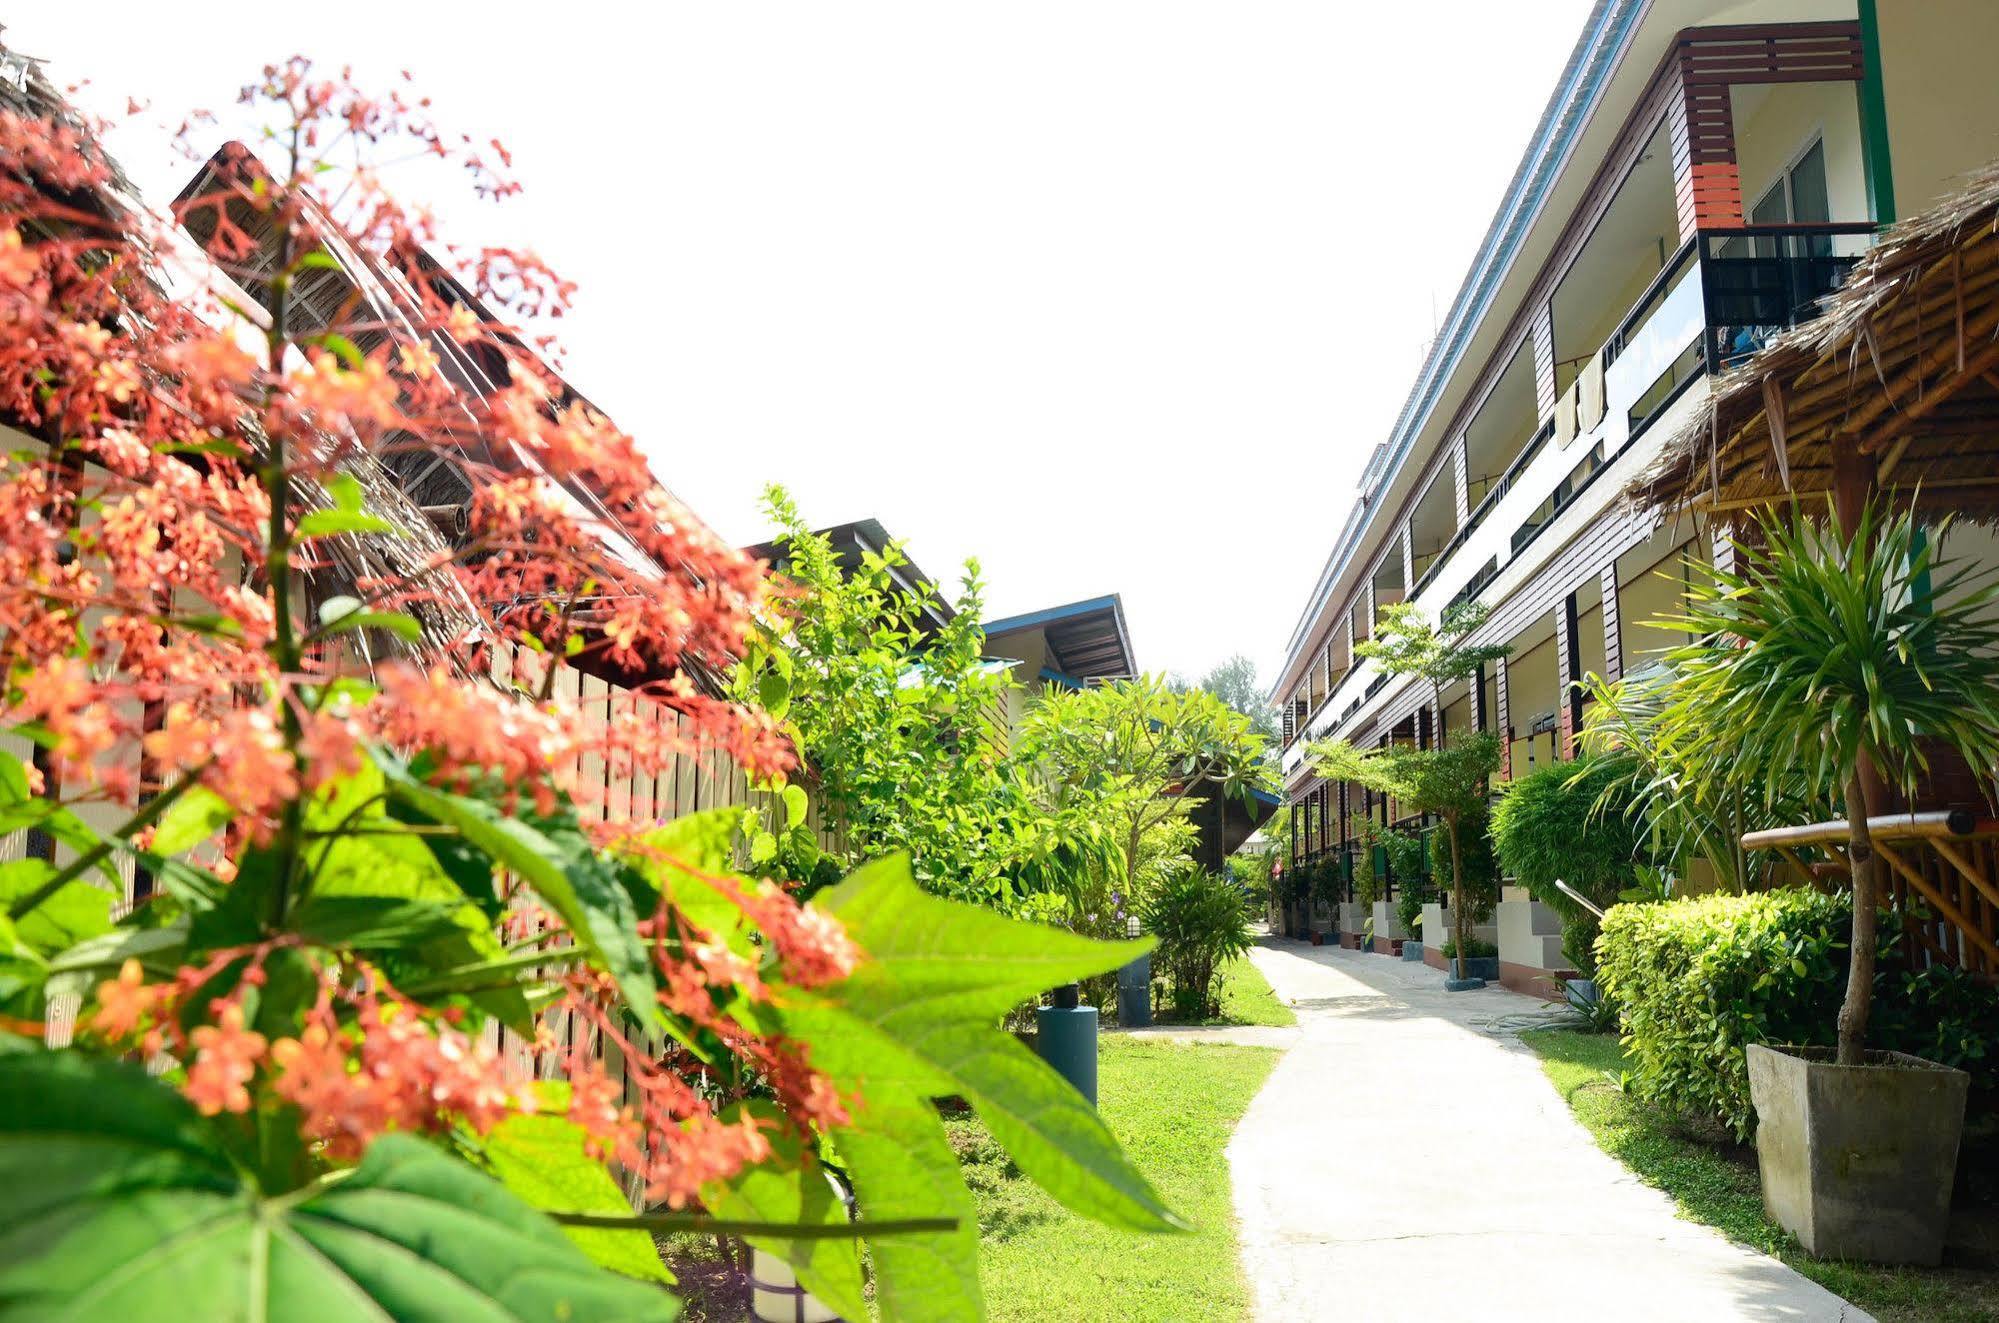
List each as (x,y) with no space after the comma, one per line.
(1173,1107)
(1717,1185)
(1246,999)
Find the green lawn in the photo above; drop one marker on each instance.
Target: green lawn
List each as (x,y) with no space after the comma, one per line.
(1173,1106)
(1246,999)
(1718,1186)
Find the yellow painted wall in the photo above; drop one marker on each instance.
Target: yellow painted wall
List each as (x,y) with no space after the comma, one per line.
(1943,97)
(1785,119)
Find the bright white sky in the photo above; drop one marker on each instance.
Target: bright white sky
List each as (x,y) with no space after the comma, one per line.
(1115,295)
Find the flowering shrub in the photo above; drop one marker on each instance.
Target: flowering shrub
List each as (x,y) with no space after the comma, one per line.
(391,853)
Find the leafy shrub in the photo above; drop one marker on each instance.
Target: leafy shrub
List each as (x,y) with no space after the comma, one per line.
(1549,825)
(1416,888)
(1252,873)
(1200,922)
(1570,821)
(1480,948)
(1406,863)
(1699,980)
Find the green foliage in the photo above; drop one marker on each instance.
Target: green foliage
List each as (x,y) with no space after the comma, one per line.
(1826,646)
(1567,822)
(1699,980)
(1134,755)
(1480,948)
(406,873)
(1234,683)
(117,1198)
(1481,864)
(902,726)
(1252,873)
(919,1020)
(1200,922)
(1571,822)
(1408,864)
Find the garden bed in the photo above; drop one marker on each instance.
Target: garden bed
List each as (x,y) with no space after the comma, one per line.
(1246,999)
(1713,1181)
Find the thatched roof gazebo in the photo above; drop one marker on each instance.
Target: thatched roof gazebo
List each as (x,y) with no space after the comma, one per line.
(1893,388)
(1895,385)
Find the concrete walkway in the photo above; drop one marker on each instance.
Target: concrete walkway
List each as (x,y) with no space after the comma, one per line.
(1408,1160)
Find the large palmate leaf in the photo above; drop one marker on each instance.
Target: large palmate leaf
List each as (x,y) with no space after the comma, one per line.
(789,1189)
(115,1202)
(919,1018)
(541,1158)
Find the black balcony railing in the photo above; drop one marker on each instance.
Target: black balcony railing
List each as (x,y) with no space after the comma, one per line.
(1760,280)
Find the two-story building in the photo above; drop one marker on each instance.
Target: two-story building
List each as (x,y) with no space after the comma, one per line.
(1704,173)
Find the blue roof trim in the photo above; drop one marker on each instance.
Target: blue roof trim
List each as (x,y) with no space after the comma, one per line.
(1605,36)
(1053,676)
(1265,797)
(1008,624)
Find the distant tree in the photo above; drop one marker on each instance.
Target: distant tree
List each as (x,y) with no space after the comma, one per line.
(1234,682)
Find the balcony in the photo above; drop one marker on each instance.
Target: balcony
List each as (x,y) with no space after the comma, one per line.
(1721,296)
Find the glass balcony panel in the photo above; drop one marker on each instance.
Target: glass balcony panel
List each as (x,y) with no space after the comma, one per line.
(1762,280)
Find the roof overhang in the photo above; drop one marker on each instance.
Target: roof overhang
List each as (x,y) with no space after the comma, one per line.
(1085,640)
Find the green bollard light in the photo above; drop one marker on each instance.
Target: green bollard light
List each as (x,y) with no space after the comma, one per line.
(1067,1039)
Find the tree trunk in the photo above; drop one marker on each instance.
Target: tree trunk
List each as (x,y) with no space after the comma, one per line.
(1462,916)
(1866,908)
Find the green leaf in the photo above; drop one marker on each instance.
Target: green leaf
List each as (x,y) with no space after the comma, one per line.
(78,910)
(542,1160)
(903,1166)
(563,867)
(789,1188)
(774,694)
(115,1199)
(796,806)
(407,628)
(918,1018)
(372,922)
(325,523)
(197,815)
(677,859)
(345,489)
(942,958)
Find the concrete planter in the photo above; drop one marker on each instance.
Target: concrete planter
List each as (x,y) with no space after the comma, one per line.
(1857,1161)
(1412,950)
(1469,975)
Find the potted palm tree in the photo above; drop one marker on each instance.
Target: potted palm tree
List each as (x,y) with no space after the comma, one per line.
(1847,657)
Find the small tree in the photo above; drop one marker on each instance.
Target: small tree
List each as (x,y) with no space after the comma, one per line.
(1839,658)
(1141,751)
(1449,780)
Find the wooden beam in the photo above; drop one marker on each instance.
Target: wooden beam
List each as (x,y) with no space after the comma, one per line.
(1957,917)
(1773,411)
(1982,885)
(1985,358)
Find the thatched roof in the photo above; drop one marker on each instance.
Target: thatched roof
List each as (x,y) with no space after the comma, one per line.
(1902,367)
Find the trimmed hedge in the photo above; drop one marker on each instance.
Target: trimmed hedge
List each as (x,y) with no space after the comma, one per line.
(1699,980)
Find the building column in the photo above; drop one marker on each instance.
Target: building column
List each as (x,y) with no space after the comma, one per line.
(1460,481)
(1481,719)
(1613,627)
(1408,563)
(1707,184)
(1542,337)
(1568,669)
(1503,720)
